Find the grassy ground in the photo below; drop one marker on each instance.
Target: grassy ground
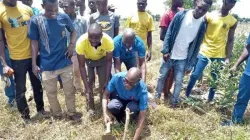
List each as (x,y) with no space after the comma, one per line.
(163,123)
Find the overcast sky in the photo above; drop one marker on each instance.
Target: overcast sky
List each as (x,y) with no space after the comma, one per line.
(127,7)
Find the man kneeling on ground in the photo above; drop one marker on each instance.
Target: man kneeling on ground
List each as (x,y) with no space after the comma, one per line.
(126,90)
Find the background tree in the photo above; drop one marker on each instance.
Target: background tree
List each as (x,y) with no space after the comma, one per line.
(189,4)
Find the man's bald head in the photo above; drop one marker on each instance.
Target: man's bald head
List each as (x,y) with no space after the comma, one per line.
(95,34)
(134,74)
(128,37)
(95,28)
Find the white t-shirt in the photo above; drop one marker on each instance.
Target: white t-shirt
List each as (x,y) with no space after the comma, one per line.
(187,33)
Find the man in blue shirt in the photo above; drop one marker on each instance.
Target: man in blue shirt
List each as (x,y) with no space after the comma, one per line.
(244,89)
(126,90)
(127,46)
(49,30)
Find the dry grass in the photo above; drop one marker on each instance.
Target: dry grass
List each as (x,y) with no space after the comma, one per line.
(163,123)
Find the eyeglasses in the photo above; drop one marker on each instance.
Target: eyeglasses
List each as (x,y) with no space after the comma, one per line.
(126,81)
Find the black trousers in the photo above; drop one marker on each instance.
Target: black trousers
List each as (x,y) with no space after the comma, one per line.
(21,67)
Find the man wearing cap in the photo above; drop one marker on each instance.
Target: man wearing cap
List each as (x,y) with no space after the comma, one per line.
(217,44)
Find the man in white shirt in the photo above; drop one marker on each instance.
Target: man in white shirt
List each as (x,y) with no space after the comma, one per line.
(181,46)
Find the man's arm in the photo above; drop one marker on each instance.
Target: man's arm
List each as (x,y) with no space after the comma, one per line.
(105,99)
(140,124)
(117,65)
(34,52)
(143,67)
(109,65)
(163,32)
(81,60)
(242,58)
(116,31)
(149,42)
(2,47)
(230,42)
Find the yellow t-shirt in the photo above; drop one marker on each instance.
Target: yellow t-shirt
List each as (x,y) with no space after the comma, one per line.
(215,40)
(14,21)
(142,23)
(83,47)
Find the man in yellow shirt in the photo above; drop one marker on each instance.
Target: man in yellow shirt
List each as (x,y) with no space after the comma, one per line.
(143,25)
(14,20)
(95,49)
(217,44)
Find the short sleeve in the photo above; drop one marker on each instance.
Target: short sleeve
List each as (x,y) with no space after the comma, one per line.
(143,101)
(111,85)
(117,46)
(117,21)
(151,24)
(109,44)
(208,17)
(33,32)
(79,45)
(141,48)
(248,40)
(69,24)
(164,22)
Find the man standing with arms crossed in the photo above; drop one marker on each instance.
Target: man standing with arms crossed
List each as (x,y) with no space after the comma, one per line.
(14,20)
(143,25)
(217,44)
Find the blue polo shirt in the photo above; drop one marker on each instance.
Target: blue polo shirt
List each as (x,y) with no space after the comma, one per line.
(121,52)
(138,93)
(247,70)
(56,31)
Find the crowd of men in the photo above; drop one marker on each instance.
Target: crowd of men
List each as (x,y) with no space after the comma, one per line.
(72,44)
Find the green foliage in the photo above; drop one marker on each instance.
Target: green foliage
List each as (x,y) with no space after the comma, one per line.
(189,4)
(227,81)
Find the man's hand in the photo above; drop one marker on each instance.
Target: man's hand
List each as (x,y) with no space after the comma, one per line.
(166,57)
(148,57)
(187,72)
(227,61)
(35,70)
(7,71)
(70,51)
(234,68)
(106,118)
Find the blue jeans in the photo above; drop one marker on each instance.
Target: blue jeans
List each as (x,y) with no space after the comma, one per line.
(9,91)
(198,70)
(129,63)
(242,99)
(179,70)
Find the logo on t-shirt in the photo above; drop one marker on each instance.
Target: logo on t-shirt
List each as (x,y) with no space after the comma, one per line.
(15,22)
(105,25)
